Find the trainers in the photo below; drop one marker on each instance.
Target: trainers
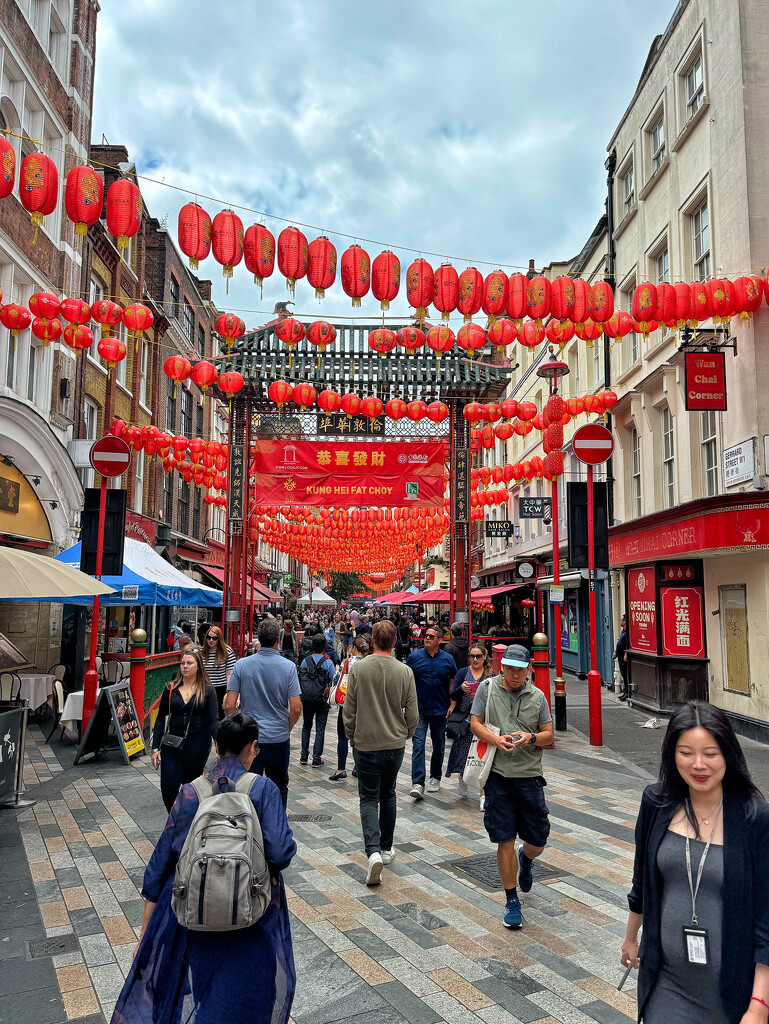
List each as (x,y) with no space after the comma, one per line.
(482,803)
(318,762)
(433,786)
(622,696)
(513,917)
(417,791)
(525,877)
(338,776)
(303,759)
(387,856)
(462,786)
(374,873)
(354,773)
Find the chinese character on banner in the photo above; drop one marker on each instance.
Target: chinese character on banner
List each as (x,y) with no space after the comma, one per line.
(342,458)
(377,458)
(324,457)
(683,633)
(360,458)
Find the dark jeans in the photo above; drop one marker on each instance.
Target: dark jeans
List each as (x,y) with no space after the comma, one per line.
(318,710)
(342,745)
(272,761)
(437,726)
(623,673)
(377,776)
(178,767)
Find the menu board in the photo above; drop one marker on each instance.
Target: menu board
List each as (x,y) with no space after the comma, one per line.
(10,749)
(114,706)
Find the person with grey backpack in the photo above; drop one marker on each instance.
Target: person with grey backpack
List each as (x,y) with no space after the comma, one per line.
(215,905)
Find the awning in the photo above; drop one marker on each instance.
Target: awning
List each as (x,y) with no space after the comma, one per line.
(147,579)
(217,572)
(486,592)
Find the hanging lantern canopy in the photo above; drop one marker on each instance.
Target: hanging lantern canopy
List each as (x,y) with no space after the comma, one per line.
(321,334)
(113,351)
(601,302)
(83,197)
(259,253)
(747,296)
(440,339)
(385,278)
(533,334)
(280,392)
(16,318)
(351,404)
(230,327)
(293,255)
(382,340)
(517,301)
(107,314)
(470,293)
(177,369)
(204,374)
(77,337)
(420,287)
(445,290)
(124,211)
(396,409)
(7,167)
(194,233)
(227,241)
(75,311)
(137,319)
(495,294)
(371,407)
(410,338)
(321,265)
(304,395)
(38,187)
(437,412)
(230,382)
(416,411)
(501,334)
(471,337)
(355,273)
(538,299)
(44,305)
(330,401)
(47,330)
(644,306)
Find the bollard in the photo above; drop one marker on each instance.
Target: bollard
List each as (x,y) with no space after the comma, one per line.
(138,666)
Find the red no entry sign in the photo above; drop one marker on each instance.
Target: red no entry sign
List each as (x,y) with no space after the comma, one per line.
(593,444)
(110,456)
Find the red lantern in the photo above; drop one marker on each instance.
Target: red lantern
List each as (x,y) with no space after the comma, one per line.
(83,197)
(446,290)
(385,278)
(124,211)
(562,299)
(106,313)
(75,311)
(290,332)
(644,305)
(227,241)
(410,338)
(575,405)
(533,334)
(517,303)
(113,350)
(416,411)
(7,167)
(330,401)
(44,305)
(259,253)
(488,437)
(471,337)
(504,431)
(527,410)
(601,302)
(280,392)
(701,308)
(593,404)
(559,332)
(396,409)
(371,407)
(137,319)
(177,368)
(470,293)
(495,292)
(355,273)
(609,399)
(538,297)
(420,287)
(437,412)
(77,337)
(501,334)
(554,410)
(583,300)
(321,265)
(440,339)
(204,374)
(683,305)
(351,405)
(553,464)
(230,382)
(293,256)
(38,187)
(588,332)
(321,333)
(47,330)
(509,408)
(719,297)
(194,233)
(747,296)
(16,318)
(619,325)
(382,340)
(230,327)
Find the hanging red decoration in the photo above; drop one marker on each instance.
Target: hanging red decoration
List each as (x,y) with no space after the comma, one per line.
(194,233)
(446,290)
(47,330)
(16,318)
(593,404)
(583,301)
(553,465)
(371,407)
(77,337)
(83,197)
(471,337)
(504,431)
(538,296)
(501,334)
(474,412)
(280,392)
(644,306)
(719,298)
(124,211)
(437,412)
(553,437)
(7,167)
(601,302)
(330,401)
(440,339)
(177,368)
(113,351)
(396,409)
(517,298)
(683,309)
(290,332)
(75,311)
(701,307)
(293,256)
(554,410)
(382,340)
(619,325)
(527,410)
(470,293)
(410,338)
(351,404)
(259,253)
(488,437)
(747,296)
(355,273)
(495,293)
(137,319)
(106,313)
(321,334)
(385,278)
(44,305)
(562,298)
(416,411)
(533,334)
(321,265)
(559,332)
(38,187)
(227,241)
(420,287)
(589,331)
(230,382)
(509,408)
(575,405)
(666,303)
(230,327)
(204,374)
(609,399)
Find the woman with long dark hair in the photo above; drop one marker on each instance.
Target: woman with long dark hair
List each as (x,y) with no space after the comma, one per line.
(700,884)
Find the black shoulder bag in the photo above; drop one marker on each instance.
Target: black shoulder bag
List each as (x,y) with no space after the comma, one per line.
(170,740)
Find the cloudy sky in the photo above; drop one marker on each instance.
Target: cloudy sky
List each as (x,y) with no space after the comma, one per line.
(475,129)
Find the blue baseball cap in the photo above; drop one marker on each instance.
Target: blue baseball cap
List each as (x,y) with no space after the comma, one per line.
(516,656)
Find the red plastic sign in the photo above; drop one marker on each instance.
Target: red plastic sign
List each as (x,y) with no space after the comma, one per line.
(110,456)
(705,374)
(593,444)
(642,610)
(683,634)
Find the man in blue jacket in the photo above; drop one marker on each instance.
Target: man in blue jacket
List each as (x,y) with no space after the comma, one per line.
(434,672)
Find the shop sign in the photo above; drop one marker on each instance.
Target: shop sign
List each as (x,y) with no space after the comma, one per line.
(9,495)
(335,424)
(462,485)
(237,482)
(705,374)
(496,529)
(140,527)
(535,508)
(556,595)
(739,464)
(525,570)
(642,609)
(683,633)
(569,624)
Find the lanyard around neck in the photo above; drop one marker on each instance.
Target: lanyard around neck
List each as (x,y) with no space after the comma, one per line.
(695,889)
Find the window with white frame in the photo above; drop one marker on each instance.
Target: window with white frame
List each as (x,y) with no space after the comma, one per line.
(139,482)
(10,365)
(662,266)
(635,466)
(174,297)
(700,228)
(526,492)
(628,190)
(145,349)
(189,322)
(90,420)
(121,369)
(657,143)
(598,374)
(709,450)
(33,368)
(694,85)
(95,294)
(668,458)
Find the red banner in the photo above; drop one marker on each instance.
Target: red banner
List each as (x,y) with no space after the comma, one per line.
(683,633)
(642,610)
(343,474)
(705,374)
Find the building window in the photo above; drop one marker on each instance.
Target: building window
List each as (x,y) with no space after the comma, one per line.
(184,506)
(95,294)
(32,368)
(186,422)
(144,372)
(635,448)
(657,143)
(189,323)
(171,407)
(122,367)
(200,421)
(201,340)
(695,87)
(139,482)
(169,486)
(709,448)
(668,458)
(90,421)
(174,297)
(196,513)
(700,224)
(628,191)
(10,365)
(662,266)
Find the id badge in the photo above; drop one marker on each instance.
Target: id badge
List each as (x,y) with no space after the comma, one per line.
(696,946)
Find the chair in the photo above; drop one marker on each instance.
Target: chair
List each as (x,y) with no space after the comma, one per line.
(112,672)
(10,686)
(59,697)
(60,671)
(98,662)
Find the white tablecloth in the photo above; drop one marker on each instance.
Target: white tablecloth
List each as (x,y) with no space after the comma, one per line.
(36,689)
(72,713)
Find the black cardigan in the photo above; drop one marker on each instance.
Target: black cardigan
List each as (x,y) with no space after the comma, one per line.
(200,716)
(745,918)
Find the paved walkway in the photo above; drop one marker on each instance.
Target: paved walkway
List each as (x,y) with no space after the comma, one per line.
(426,946)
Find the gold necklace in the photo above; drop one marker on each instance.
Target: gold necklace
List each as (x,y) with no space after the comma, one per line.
(706,821)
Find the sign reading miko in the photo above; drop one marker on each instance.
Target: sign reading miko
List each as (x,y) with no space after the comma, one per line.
(495,529)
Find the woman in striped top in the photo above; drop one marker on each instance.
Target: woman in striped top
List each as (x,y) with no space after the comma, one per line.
(219,659)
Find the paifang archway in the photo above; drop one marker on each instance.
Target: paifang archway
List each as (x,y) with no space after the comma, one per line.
(349,365)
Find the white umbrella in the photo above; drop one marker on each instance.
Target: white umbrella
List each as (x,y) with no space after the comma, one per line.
(30,577)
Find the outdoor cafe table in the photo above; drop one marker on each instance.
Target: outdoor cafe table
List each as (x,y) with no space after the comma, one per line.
(36,688)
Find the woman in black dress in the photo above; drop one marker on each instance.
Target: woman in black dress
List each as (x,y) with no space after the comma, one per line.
(189,702)
(700,884)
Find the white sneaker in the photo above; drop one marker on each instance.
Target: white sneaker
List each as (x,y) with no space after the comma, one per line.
(374,873)
(462,787)
(417,791)
(387,856)
(433,786)
(483,802)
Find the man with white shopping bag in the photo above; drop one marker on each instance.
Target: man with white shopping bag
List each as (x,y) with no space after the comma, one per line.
(511,723)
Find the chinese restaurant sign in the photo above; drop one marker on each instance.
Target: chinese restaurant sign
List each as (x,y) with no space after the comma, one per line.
(237,482)
(683,634)
(336,424)
(345,473)
(462,485)
(642,609)
(705,380)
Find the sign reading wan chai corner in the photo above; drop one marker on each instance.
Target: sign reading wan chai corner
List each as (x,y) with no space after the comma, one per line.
(705,374)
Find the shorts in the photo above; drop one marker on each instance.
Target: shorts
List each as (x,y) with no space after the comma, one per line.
(516,807)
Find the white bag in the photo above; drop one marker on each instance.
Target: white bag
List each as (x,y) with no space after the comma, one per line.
(480,756)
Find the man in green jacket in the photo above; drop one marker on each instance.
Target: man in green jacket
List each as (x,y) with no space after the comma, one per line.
(515,798)
(379,713)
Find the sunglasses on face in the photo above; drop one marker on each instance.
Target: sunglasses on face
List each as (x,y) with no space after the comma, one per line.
(431,636)
(477,657)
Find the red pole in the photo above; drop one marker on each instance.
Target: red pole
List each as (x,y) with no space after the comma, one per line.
(559,681)
(452,513)
(251,606)
(593,676)
(138,667)
(91,680)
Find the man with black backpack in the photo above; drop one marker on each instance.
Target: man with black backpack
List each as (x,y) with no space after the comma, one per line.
(316,674)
